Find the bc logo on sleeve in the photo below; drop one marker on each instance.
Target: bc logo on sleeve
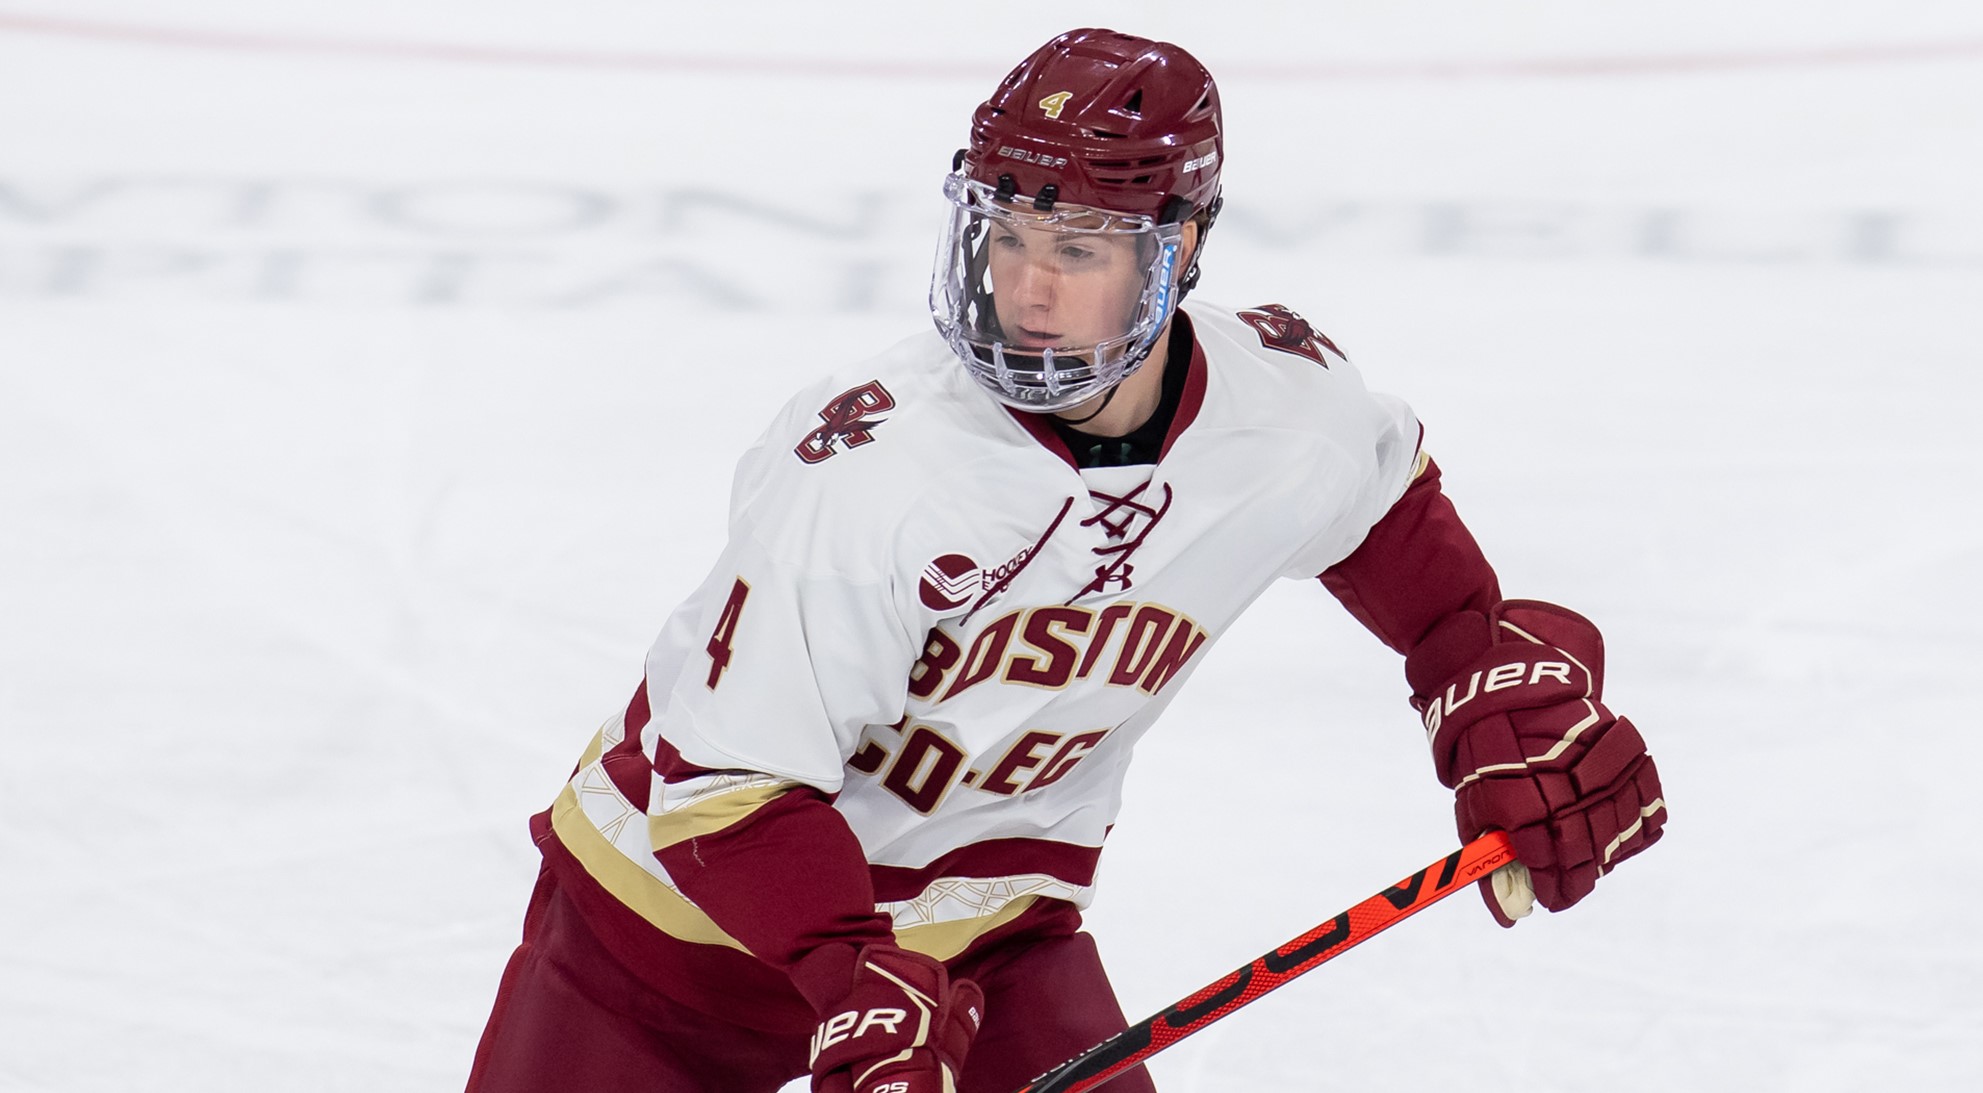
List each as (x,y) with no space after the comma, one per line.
(847,419)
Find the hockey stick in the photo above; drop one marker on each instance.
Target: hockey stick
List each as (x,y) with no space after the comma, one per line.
(1270,972)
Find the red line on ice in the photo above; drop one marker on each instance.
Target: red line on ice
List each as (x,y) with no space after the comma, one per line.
(1665,64)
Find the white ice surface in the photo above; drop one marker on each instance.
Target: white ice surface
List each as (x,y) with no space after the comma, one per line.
(365,403)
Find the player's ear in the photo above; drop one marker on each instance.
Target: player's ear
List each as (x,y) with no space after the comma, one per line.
(1190,236)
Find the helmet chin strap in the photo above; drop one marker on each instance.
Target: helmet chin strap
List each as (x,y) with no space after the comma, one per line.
(1108,396)
(1142,356)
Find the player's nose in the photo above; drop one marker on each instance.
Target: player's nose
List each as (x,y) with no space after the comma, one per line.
(1035,286)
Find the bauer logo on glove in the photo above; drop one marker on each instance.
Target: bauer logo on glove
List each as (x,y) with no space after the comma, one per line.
(1513,707)
(1488,681)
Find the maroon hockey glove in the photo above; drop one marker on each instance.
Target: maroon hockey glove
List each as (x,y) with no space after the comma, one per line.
(1512,702)
(903,1028)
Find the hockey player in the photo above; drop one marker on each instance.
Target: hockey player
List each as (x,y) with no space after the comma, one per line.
(846,824)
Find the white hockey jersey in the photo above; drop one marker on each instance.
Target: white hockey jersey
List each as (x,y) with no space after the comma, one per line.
(928,610)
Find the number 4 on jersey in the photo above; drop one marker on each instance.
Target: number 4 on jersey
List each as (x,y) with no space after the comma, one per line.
(726,632)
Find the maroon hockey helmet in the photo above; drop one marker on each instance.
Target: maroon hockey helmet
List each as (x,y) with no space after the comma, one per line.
(1107,120)
(1065,254)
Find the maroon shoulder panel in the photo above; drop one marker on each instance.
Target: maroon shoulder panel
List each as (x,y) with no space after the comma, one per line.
(1417,565)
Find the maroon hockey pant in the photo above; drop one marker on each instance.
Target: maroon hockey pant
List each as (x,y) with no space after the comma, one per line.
(568,1016)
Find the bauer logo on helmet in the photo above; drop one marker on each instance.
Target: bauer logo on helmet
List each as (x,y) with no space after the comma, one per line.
(1038,158)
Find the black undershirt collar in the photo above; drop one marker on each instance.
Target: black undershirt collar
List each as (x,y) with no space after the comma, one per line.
(1146,442)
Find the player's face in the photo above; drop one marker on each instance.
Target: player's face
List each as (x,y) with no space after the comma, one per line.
(1054,288)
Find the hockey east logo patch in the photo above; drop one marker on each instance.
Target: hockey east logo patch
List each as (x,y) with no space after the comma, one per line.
(950,580)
